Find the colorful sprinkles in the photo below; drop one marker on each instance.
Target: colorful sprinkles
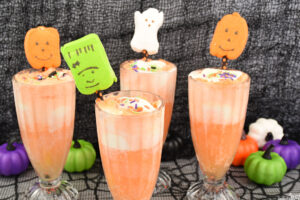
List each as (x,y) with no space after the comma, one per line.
(39,77)
(216,75)
(227,75)
(143,66)
(44,76)
(52,75)
(135,104)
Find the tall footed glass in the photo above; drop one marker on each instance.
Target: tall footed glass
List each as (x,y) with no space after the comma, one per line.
(160,81)
(158,77)
(130,133)
(217,107)
(46,110)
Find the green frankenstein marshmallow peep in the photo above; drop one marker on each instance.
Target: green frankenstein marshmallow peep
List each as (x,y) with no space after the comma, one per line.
(87,59)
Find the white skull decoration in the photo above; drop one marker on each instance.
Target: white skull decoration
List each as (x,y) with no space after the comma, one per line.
(146,28)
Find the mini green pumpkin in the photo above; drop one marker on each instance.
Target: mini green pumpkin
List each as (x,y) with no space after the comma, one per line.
(82,156)
(266,167)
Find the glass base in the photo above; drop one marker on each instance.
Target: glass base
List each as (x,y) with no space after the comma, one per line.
(52,190)
(163,182)
(216,190)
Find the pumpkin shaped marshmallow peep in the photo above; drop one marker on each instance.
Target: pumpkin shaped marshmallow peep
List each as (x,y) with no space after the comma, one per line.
(41,46)
(230,37)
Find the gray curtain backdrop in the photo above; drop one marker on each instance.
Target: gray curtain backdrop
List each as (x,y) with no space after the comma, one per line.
(271,56)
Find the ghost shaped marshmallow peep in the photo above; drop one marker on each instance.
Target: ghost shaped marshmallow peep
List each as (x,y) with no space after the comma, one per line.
(146,28)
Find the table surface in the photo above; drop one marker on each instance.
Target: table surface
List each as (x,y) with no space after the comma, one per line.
(92,185)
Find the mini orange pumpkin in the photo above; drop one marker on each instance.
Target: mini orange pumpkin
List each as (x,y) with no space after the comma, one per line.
(247,146)
(41,46)
(230,37)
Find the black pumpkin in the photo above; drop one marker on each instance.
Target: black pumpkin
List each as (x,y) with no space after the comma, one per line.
(172,147)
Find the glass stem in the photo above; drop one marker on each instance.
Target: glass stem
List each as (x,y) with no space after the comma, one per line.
(214,185)
(49,184)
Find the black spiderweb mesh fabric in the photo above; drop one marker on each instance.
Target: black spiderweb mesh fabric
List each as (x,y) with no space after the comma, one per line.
(184,172)
(271,56)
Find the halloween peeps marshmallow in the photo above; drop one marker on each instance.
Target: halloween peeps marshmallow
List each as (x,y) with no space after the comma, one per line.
(230,37)
(41,46)
(87,59)
(146,28)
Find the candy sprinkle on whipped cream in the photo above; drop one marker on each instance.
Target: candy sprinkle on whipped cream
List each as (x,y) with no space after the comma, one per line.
(147,66)
(39,77)
(127,105)
(216,75)
(135,104)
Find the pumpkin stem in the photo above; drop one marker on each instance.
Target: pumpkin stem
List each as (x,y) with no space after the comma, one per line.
(267,154)
(244,137)
(10,146)
(269,136)
(284,140)
(77,145)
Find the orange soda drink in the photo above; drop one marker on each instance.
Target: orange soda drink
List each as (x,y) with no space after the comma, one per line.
(217,107)
(130,132)
(155,76)
(45,106)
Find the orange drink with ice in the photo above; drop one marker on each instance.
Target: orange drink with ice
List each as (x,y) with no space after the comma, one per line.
(45,106)
(130,132)
(45,110)
(155,76)
(217,114)
(217,107)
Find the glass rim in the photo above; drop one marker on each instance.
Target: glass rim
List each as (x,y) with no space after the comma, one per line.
(157,72)
(41,85)
(161,106)
(248,79)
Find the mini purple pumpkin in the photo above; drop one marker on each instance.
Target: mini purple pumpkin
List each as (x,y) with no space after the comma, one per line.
(289,150)
(13,159)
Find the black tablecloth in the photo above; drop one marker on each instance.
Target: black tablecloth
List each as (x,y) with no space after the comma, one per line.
(92,185)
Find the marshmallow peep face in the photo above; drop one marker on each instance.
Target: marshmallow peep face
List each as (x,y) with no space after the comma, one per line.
(41,46)
(230,37)
(146,28)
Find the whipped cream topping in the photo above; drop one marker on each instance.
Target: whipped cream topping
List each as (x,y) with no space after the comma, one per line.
(216,75)
(39,77)
(127,105)
(147,66)
(135,104)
